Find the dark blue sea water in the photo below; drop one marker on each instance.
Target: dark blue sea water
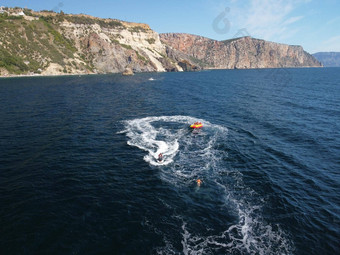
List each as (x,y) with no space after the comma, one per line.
(79,171)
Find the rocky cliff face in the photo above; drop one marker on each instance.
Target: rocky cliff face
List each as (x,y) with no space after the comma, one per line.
(56,43)
(112,49)
(51,43)
(240,53)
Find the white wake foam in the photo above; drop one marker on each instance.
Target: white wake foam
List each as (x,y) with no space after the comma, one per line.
(151,136)
(188,156)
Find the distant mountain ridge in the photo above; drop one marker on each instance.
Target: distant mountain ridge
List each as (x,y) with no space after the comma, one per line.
(240,53)
(328,59)
(50,43)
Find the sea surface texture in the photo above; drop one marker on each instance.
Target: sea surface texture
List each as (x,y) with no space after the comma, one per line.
(79,169)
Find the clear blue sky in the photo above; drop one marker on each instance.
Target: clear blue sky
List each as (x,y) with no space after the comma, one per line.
(314,24)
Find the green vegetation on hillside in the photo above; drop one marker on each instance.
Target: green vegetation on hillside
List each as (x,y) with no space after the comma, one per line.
(29,46)
(151,40)
(139,56)
(58,38)
(55,43)
(128,47)
(12,63)
(137,29)
(83,20)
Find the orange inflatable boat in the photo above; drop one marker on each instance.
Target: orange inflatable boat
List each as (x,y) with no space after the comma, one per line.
(197,125)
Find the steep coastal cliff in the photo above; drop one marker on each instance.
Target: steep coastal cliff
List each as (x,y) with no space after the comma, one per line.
(51,43)
(240,53)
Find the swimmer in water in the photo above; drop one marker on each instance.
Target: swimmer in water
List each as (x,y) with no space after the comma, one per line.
(199,182)
(160,157)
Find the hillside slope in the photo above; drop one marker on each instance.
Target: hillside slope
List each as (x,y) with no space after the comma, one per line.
(240,53)
(328,59)
(51,43)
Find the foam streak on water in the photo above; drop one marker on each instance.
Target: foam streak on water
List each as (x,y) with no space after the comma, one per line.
(188,156)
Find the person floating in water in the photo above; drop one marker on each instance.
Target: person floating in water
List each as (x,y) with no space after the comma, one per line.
(160,157)
(199,182)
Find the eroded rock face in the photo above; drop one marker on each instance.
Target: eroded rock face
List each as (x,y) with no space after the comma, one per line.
(81,44)
(133,45)
(110,50)
(54,44)
(240,53)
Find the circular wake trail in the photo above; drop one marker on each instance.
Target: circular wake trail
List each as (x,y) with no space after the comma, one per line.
(190,155)
(155,139)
